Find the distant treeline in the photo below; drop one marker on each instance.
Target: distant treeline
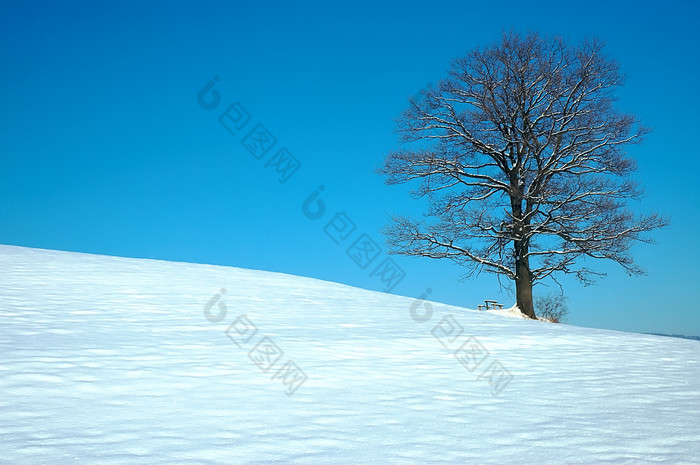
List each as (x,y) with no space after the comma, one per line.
(695,338)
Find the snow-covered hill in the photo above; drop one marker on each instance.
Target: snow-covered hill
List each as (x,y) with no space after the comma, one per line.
(114,360)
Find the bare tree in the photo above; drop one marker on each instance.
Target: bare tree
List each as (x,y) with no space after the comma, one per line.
(522,157)
(552,307)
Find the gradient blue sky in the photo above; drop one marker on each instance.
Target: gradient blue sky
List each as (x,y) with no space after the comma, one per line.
(104,148)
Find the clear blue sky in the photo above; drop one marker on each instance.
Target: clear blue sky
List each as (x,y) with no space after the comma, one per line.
(105,149)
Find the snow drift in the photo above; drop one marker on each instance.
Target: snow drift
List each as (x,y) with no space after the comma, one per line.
(116,360)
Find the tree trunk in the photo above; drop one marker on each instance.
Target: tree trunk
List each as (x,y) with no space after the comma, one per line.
(523,275)
(523,286)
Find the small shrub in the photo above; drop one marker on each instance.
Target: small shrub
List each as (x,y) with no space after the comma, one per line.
(552,307)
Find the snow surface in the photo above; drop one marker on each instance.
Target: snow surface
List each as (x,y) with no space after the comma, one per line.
(112,360)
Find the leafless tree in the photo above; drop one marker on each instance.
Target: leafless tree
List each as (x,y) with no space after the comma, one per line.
(552,307)
(522,157)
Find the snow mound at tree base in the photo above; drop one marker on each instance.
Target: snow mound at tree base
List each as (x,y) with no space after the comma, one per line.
(513,312)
